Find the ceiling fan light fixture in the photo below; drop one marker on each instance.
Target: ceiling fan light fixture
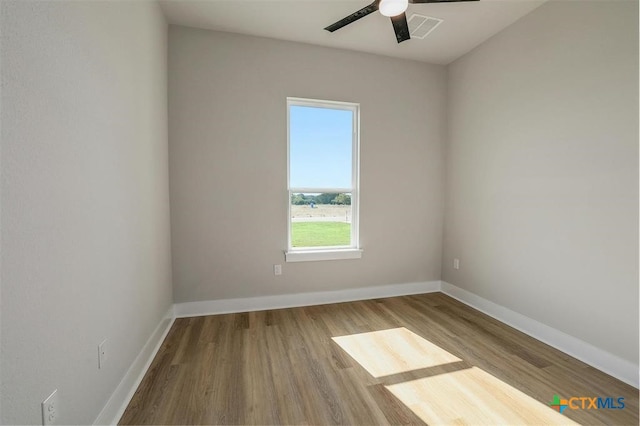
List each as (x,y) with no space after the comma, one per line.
(393,7)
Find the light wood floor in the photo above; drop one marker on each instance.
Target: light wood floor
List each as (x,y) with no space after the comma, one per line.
(404,360)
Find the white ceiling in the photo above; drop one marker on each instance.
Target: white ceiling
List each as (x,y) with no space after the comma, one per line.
(466,24)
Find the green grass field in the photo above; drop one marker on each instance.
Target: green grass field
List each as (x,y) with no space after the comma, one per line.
(317,234)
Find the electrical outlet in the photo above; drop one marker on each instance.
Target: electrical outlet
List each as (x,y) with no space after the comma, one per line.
(50,409)
(102,353)
(277,269)
(456,263)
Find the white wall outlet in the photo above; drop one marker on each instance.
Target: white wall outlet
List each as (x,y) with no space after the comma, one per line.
(277,269)
(102,353)
(50,409)
(456,263)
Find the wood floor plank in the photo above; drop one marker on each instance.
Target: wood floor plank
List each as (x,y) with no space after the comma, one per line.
(395,411)
(406,360)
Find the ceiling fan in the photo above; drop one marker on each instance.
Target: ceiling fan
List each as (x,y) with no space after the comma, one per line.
(394,9)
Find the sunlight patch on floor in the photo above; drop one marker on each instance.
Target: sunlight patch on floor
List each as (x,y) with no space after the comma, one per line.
(393,351)
(473,396)
(464,396)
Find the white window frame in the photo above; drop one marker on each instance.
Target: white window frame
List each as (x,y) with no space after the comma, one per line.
(353,251)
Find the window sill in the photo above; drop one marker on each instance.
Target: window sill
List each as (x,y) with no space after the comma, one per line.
(316,255)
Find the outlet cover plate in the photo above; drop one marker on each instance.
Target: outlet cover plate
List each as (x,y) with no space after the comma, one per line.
(50,409)
(102,353)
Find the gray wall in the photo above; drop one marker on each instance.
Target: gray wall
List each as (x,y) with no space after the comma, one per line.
(85,217)
(227,151)
(542,171)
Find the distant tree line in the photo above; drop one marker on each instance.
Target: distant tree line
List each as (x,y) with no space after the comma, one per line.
(302,199)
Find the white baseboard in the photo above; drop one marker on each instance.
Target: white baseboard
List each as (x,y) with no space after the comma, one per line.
(119,400)
(227,306)
(617,367)
(602,360)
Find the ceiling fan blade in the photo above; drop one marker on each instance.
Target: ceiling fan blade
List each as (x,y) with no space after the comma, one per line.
(401,27)
(354,16)
(437,1)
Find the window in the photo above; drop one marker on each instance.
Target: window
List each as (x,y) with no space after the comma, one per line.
(323,147)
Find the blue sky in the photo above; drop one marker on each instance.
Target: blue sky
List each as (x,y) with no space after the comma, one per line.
(320,147)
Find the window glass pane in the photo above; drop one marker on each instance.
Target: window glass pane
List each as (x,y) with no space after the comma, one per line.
(320,147)
(320,220)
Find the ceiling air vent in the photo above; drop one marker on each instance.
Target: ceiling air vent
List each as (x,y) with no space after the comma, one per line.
(420,26)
